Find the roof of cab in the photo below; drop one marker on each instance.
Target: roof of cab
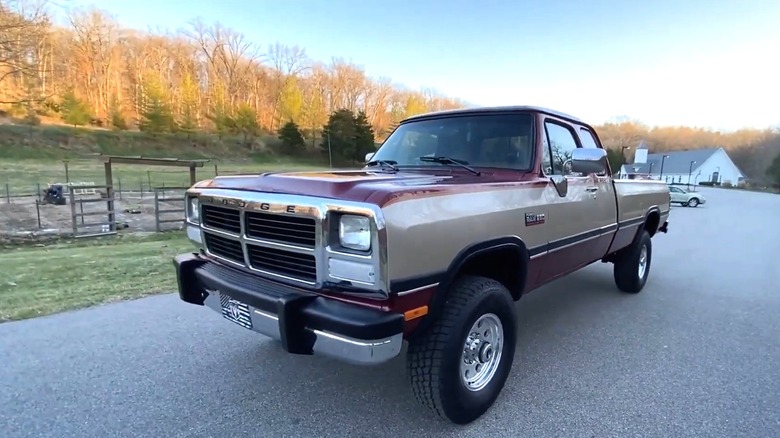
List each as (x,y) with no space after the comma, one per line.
(493,109)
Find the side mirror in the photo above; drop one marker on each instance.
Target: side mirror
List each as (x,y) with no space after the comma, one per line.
(369,156)
(589,160)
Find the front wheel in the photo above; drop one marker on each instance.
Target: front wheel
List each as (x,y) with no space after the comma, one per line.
(693,202)
(459,366)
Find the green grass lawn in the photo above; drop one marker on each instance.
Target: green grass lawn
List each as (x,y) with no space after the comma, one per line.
(36,281)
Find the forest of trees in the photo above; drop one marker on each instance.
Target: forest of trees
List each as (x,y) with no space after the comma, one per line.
(210,78)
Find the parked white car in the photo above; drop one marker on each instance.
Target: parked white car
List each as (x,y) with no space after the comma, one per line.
(685,198)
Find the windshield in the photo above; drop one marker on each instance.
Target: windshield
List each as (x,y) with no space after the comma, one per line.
(490,140)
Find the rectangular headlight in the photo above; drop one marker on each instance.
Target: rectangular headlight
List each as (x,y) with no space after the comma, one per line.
(355,232)
(193,210)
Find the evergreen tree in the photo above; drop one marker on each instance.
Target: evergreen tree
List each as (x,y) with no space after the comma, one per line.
(339,134)
(156,115)
(364,137)
(117,118)
(773,172)
(74,110)
(292,140)
(246,123)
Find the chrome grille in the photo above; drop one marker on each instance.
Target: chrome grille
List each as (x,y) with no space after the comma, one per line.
(275,243)
(295,230)
(219,218)
(287,263)
(224,247)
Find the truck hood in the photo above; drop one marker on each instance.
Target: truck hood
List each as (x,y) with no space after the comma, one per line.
(354,185)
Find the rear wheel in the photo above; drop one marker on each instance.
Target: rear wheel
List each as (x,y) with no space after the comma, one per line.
(459,367)
(632,265)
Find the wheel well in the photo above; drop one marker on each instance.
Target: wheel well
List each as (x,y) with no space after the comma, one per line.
(652,222)
(502,264)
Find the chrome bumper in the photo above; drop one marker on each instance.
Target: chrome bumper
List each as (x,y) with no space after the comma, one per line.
(304,322)
(343,348)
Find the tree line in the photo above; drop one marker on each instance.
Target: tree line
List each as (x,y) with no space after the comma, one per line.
(211,78)
(206,77)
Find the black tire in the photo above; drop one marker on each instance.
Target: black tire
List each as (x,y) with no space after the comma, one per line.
(628,276)
(693,202)
(434,359)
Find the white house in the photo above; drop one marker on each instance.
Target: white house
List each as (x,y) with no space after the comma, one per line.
(685,167)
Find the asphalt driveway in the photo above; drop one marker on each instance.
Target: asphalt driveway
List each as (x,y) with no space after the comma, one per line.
(696,354)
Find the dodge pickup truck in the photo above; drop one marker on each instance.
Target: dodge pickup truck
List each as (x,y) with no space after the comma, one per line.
(431,243)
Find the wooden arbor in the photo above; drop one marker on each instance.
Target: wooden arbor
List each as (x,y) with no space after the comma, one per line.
(108,162)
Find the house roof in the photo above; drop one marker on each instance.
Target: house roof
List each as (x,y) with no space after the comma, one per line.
(677,162)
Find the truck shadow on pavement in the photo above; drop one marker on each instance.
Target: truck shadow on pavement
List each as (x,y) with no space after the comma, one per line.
(377,400)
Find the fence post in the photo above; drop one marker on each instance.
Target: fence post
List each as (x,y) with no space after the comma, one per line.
(216,170)
(142,188)
(119,181)
(81,207)
(38,186)
(38,212)
(157,210)
(73,211)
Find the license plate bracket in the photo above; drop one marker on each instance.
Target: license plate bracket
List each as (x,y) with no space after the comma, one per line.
(236,311)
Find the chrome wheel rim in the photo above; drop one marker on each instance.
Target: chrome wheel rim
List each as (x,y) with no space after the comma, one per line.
(642,261)
(693,202)
(482,352)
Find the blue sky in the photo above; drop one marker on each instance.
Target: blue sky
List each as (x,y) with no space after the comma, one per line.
(708,63)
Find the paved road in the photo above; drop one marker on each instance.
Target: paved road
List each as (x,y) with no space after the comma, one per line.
(697,354)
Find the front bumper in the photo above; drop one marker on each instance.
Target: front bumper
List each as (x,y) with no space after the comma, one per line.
(304,323)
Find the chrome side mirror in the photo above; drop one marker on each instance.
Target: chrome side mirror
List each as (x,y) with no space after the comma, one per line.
(369,156)
(588,161)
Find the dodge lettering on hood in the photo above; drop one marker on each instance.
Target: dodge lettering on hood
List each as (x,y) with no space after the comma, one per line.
(432,242)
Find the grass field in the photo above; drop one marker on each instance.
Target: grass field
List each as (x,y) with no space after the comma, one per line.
(35,156)
(24,175)
(36,281)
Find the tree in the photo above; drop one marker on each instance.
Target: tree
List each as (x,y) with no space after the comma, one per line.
(616,160)
(188,120)
(246,123)
(364,137)
(338,135)
(156,116)
(773,172)
(292,140)
(118,121)
(74,110)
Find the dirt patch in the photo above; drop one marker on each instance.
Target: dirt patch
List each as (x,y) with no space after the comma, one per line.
(20,217)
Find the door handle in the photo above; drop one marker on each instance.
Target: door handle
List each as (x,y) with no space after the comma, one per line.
(591,189)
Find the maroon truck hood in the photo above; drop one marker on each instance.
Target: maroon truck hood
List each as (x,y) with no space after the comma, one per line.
(355,185)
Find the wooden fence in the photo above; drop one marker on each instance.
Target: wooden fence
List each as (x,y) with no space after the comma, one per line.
(160,196)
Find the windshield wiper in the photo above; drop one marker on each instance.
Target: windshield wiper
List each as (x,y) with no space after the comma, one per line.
(388,163)
(449,160)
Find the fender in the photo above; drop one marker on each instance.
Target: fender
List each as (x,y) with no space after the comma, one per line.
(651,210)
(447,278)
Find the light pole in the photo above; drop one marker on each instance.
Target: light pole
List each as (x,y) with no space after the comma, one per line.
(690,171)
(664,157)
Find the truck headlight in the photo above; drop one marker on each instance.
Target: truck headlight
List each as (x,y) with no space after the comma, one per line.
(355,232)
(193,210)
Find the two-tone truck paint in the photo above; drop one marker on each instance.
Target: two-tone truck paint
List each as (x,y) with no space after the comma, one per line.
(453,219)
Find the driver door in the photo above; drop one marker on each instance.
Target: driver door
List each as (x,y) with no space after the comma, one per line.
(575,220)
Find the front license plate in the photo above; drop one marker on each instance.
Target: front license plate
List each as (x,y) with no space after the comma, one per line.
(236,311)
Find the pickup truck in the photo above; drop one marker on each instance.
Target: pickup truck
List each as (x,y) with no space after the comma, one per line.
(454,218)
